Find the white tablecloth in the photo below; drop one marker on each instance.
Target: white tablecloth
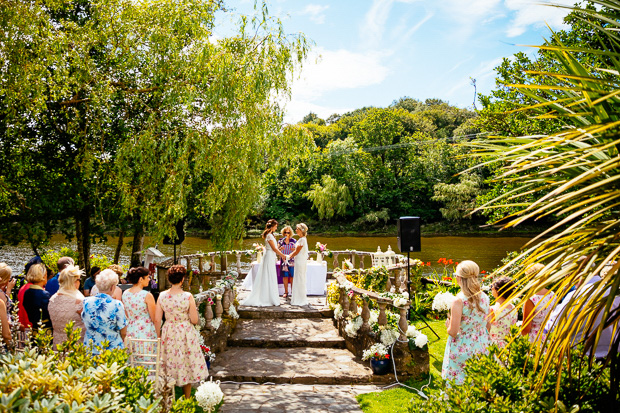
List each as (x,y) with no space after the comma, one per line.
(316,278)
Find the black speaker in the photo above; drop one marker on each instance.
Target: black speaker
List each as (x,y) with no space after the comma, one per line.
(409,234)
(180,230)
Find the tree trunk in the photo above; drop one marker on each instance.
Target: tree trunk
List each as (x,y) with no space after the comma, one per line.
(119,245)
(82,235)
(138,239)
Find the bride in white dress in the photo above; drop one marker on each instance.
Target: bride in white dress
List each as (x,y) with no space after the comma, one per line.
(265,287)
(299,296)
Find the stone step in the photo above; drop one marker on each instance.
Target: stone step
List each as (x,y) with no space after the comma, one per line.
(272,333)
(302,365)
(283,312)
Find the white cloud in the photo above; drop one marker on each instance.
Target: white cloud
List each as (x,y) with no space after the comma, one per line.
(373,26)
(327,70)
(315,12)
(529,13)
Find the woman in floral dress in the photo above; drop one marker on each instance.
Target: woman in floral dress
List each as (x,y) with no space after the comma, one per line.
(140,308)
(501,316)
(467,323)
(65,306)
(182,357)
(536,308)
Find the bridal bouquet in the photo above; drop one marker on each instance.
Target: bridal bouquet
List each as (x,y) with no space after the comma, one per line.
(443,301)
(209,395)
(258,247)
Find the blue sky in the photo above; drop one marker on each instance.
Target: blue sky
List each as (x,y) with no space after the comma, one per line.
(371,52)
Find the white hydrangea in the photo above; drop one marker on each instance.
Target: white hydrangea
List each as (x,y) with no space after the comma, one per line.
(376,348)
(412,332)
(400,302)
(353,326)
(374,318)
(209,395)
(389,336)
(338,311)
(215,323)
(232,311)
(202,322)
(421,340)
(443,301)
(405,294)
(347,285)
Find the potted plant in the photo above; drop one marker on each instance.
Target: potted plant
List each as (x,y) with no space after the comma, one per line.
(208,354)
(379,359)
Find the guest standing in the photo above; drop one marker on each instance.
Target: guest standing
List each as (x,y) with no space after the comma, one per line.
(537,308)
(501,316)
(182,357)
(66,304)
(104,317)
(36,299)
(53,285)
(300,295)
(467,325)
(140,307)
(90,281)
(117,294)
(21,311)
(7,282)
(6,326)
(287,269)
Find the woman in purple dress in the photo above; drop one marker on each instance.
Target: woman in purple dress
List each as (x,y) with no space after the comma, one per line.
(287,246)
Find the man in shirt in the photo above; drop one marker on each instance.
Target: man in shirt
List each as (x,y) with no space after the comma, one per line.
(53,285)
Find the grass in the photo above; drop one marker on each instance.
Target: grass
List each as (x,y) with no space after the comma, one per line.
(396,399)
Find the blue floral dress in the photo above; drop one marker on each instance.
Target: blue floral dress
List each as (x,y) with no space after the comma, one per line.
(472,339)
(104,318)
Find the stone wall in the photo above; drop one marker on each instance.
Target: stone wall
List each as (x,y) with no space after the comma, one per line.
(217,340)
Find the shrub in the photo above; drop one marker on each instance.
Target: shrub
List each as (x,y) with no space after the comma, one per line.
(72,379)
(506,381)
(183,405)
(50,258)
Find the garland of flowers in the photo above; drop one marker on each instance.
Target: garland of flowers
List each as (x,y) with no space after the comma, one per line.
(388,336)
(215,323)
(377,351)
(232,311)
(338,311)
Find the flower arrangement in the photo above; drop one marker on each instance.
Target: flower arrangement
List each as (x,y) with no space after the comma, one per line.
(215,323)
(322,249)
(209,355)
(416,337)
(347,265)
(443,301)
(209,395)
(258,247)
(232,311)
(377,351)
(353,326)
(388,336)
(401,300)
(338,311)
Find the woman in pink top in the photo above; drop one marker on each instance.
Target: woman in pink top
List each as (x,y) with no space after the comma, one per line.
(502,315)
(66,304)
(536,308)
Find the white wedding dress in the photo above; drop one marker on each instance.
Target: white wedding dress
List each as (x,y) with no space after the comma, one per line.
(299,296)
(265,287)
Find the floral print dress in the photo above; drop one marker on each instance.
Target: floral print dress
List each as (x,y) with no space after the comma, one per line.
(472,339)
(140,324)
(182,357)
(501,323)
(543,304)
(104,318)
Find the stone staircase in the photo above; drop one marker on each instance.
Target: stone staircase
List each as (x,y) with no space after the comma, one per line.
(294,346)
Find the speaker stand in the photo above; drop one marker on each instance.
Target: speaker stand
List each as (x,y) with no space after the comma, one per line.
(411,313)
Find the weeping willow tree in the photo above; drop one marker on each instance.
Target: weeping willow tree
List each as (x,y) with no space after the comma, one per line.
(573,177)
(124,111)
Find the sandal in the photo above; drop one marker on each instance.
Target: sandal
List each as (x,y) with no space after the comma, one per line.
(285,296)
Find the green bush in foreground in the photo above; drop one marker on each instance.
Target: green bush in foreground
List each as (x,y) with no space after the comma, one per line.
(73,380)
(506,382)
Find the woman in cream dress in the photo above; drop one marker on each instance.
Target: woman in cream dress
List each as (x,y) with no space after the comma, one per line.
(299,296)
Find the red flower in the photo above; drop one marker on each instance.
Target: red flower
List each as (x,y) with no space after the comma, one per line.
(387,356)
(483,272)
(376,354)
(456,263)
(450,261)
(440,260)
(428,264)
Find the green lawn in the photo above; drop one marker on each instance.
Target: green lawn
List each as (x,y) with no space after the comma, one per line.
(397,398)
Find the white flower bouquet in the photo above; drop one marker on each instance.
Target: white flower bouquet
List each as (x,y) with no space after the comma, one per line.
(209,395)
(353,326)
(388,336)
(232,311)
(443,301)
(338,311)
(215,323)
(377,350)
(416,337)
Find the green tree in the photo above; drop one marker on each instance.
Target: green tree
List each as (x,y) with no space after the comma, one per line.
(150,117)
(330,199)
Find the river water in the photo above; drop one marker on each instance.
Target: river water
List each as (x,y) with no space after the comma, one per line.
(486,251)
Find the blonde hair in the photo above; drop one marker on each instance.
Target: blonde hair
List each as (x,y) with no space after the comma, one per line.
(303,228)
(117,269)
(5,273)
(534,269)
(470,284)
(68,276)
(36,273)
(287,227)
(106,280)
